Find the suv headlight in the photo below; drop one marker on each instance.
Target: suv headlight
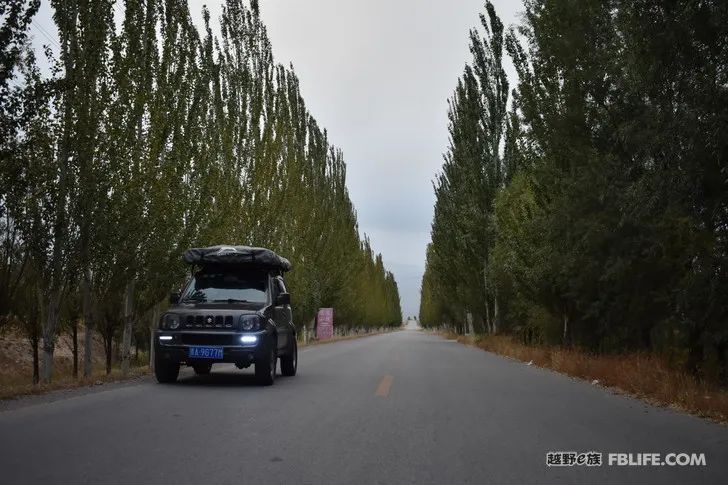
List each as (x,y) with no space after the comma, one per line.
(170,321)
(249,323)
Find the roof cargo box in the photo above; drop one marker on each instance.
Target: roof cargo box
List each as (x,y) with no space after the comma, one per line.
(236,255)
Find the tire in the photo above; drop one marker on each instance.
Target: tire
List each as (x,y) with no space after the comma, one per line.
(166,372)
(202,369)
(265,371)
(289,363)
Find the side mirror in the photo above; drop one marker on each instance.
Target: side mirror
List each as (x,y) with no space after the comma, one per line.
(283,299)
(174,297)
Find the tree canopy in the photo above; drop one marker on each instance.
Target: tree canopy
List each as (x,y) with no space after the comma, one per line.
(601,220)
(155,136)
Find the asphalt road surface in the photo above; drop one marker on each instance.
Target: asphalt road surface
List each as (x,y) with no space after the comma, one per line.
(393,409)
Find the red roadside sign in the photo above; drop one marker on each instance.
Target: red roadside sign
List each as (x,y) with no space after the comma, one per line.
(325,323)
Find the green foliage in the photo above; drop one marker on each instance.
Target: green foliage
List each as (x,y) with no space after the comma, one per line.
(156,136)
(612,225)
(457,276)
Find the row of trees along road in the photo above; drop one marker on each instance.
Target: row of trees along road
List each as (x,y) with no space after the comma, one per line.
(590,209)
(149,136)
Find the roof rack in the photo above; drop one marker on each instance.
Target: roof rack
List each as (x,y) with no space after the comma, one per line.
(236,255)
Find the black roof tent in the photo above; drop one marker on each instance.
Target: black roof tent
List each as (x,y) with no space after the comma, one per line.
(244,256)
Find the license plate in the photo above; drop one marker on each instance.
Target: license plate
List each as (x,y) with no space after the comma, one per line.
(205,352)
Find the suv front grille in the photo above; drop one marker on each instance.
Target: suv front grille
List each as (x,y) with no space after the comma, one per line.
(209,321)
(207,339)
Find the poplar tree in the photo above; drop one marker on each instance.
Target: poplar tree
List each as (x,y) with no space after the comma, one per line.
(609,215)
(463,228)
(156,136)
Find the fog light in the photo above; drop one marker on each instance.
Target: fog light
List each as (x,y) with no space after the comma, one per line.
(248,339)
(165,338)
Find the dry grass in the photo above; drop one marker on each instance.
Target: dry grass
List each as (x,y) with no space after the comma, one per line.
(16,385)
(643,376)
(16,366)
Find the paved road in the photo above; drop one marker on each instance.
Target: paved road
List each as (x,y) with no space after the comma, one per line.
(391,409)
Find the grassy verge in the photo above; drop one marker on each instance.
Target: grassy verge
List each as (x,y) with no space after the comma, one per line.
(19,385)
(644,376)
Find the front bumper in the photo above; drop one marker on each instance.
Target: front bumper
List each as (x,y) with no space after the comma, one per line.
(176,349)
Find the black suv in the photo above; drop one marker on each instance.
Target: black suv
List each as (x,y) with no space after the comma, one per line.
(235,308)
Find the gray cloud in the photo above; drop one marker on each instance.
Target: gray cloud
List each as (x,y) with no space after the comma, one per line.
(377,75)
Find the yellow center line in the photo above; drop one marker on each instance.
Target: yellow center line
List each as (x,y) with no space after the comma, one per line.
(384,385)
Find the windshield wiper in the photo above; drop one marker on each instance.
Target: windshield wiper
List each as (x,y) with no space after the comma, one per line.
(230,300)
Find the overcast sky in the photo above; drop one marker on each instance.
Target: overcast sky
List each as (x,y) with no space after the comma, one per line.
(377,75)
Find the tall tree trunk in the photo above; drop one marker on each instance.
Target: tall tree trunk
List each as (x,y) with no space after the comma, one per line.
(74,329)
(50,331)
(34,331)
(155,318)
(128,324)
(108,342)
(151,350)
(485,290)
(496,313)
(88,320)
(34,341)
(566,330)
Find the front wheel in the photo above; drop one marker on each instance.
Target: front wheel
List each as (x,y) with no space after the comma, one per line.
(265,369)
(289,363)
(166,372)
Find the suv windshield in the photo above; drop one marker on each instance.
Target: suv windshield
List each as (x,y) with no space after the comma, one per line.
(227,286)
